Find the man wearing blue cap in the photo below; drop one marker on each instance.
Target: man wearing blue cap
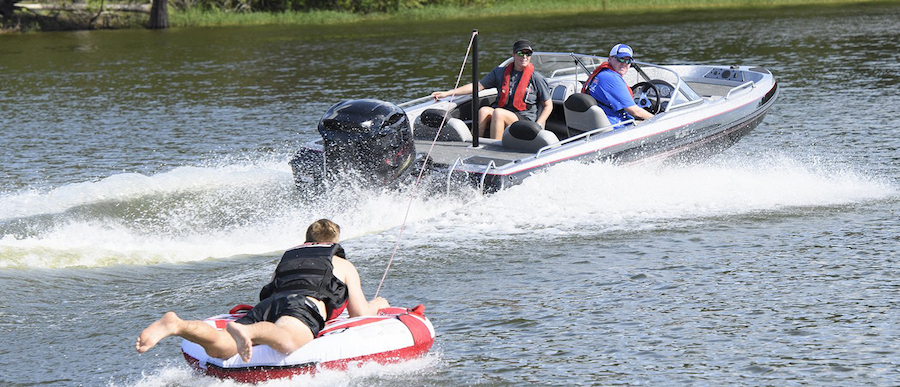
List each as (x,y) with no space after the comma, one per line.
(608,87)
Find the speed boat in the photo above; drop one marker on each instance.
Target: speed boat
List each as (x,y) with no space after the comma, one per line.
(699,110)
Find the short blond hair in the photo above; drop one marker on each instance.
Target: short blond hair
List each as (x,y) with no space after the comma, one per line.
(323,231)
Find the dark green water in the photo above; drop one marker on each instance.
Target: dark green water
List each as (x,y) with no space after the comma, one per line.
(144,171)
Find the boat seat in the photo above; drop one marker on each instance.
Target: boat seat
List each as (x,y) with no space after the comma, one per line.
(527,136)
(583,114)
(427,124)
(562,91)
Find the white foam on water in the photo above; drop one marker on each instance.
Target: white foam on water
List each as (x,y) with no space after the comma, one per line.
(127,186)
(576,198)
(214,212)
(187,214)
(96,238)
(357,374)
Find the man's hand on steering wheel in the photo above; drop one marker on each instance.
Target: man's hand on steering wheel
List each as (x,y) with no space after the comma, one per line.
(647,96)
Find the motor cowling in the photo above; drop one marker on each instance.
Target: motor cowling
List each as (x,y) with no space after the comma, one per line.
(369,137)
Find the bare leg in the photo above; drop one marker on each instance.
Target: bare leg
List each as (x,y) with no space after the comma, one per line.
(502,118)
(484,120)
(216,343)
(286,335)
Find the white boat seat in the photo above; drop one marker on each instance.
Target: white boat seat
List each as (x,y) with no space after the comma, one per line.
(527,136)
(427,124)
(562,91)
(583,114)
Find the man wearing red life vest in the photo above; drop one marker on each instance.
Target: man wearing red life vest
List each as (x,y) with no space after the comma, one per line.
(519,91)
(312,283)
(608,87)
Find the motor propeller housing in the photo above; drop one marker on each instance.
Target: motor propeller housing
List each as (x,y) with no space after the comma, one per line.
(370,138)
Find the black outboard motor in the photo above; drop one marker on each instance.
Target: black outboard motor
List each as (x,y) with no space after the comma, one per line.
(370,137)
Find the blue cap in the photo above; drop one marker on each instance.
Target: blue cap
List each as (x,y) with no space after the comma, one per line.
(622,51)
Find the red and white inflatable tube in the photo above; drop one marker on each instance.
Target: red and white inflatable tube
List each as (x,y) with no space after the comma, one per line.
(394,335)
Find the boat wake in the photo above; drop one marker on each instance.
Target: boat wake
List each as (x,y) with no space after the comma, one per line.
(187,214)
(577,198)
(195,213)
(579,201)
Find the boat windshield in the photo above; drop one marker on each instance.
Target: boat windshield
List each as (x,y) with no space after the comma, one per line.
(562,65)
(556,65)
(670,84)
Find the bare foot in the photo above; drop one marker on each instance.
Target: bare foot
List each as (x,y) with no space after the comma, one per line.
(242,339)
(164,327)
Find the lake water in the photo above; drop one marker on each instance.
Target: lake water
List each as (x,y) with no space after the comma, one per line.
(144,171)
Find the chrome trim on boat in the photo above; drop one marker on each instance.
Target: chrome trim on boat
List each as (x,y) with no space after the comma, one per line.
(490,165)
(450,172)
(416,101)
(742,86)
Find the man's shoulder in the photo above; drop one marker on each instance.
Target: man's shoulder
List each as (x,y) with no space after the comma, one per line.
(539,79)
(493,78)
(337,262)
(609,74)
(609,79)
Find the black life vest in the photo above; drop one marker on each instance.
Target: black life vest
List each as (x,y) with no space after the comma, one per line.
(307,270)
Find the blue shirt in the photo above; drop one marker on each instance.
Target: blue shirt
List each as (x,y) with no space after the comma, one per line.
(611,93)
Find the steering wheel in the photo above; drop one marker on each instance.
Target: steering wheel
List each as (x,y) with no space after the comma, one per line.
(647,96)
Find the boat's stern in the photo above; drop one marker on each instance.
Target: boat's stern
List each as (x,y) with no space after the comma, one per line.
(365,139)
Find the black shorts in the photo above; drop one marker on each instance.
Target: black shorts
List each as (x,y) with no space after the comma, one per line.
(294,305)
(516,112)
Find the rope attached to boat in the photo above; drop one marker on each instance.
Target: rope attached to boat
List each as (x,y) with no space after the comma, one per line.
(427,157)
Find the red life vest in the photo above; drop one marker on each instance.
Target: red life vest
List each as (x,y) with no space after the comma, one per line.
(603,66)
(521,87)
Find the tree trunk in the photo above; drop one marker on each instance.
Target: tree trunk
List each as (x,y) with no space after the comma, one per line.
(7,7)
(159,14)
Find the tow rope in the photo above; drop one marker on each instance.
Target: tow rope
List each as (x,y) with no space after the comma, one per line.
(425,162)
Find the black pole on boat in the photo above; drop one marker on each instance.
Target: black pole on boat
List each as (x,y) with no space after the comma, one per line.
(475,102)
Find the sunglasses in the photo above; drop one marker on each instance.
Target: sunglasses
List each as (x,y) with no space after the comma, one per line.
(523,53)
(625,61)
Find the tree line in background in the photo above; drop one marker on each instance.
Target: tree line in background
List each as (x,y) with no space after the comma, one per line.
(355,6)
